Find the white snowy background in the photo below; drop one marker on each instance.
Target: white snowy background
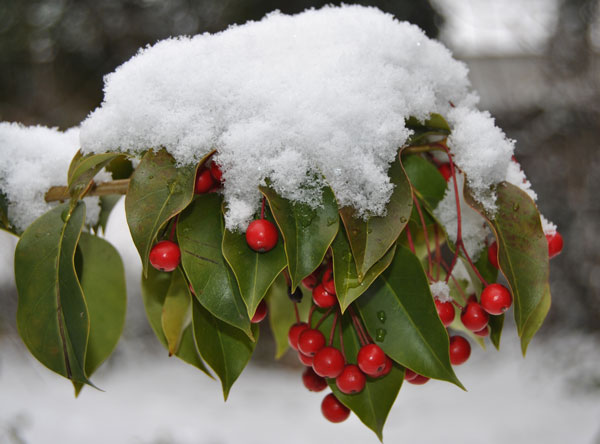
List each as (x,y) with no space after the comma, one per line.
(552,396)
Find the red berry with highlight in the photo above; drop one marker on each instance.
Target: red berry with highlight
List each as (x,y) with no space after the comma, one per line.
(388,366)
(165,256)
(261,235)
(493,254)
(322,297)
(555,244)
(204,182)
(328,282)
(260,313)
(351,380)
(312,381)
(294,334)
(328,362)
(474,317)
(334,410)
(445,311)
(485,331)
(215,172)
(460,350)
(496,299)
(306,360)
(445,171)
(311,341)
(371,359)
(414,378)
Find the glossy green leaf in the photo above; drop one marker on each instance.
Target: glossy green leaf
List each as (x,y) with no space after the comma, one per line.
(107,203)
(158,191)
(522,256)
(52,316)
(347,285)
(307,232)
(371,239)
(200,233)
(254,272)
(436,125)
(426,180)
(120,168)
(373,404)
(102,279)
(83,168)
(225,348)
(176,311)
(154,292)
(398,311)
(281,313)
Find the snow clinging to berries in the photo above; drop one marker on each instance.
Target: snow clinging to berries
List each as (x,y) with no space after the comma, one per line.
(300,100)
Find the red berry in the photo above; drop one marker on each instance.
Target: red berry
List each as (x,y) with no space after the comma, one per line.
(294,334)
(312,381)
(496,299)
(474,317)
(165,256)
(260,313)
(322,297)
(493,254)
(261,235)
(485,331)
(215,172)
(334,410)
(328,362)
(310,281)
(371,359)
(351,380)
(306,360)
(328,282)
(445,311)
(445,171)
(460,350)
(204,182)
(311,341)
(555,244)
(414,378)
(388,366)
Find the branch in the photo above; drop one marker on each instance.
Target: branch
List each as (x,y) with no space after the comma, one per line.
(101,189)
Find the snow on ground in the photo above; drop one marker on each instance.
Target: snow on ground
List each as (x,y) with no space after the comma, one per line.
(150,398)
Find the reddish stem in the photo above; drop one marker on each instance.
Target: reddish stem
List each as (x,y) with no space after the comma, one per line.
(411,244)
(296,312)
(332,332)
(358,325)
(342,342)
(460,290)
(325,315)
(173,227)
(310,314)
(438,251)
(262,209)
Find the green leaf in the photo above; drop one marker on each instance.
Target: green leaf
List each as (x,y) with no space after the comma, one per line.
(523,257)
(436,125)
(307,232)
(176,311)
(158,191)
(370,240)
(120,168)
(281,313)
(200,233)
(52,316)
(347,285)
(373,404)
(83,168)
(496,323)
(102,279)
(254,272)
(225,348)
(107,203)
(398,311)
(426,180)
(154,292)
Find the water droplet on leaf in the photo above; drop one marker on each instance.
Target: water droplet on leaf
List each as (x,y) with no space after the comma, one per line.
(403,219)
(516,206)
(369,230)
(380,334)
(381,316)
(331,221)
(65,215)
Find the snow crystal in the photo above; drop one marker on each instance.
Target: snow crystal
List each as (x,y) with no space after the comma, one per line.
(324,93)
(516,176)
(547,226)
(441,291)
(33,160)
(473,226)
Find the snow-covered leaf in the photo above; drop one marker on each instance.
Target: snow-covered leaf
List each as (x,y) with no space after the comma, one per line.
(83,168)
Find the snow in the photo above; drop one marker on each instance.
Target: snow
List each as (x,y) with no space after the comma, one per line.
(32,160)
(441,291)
(290,98)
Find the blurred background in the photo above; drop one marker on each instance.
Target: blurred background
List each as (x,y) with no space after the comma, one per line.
(536,66)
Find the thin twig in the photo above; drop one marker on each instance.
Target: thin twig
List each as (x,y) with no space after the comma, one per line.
(61,193)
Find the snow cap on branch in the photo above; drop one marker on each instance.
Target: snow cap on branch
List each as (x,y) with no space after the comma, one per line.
(440,290)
